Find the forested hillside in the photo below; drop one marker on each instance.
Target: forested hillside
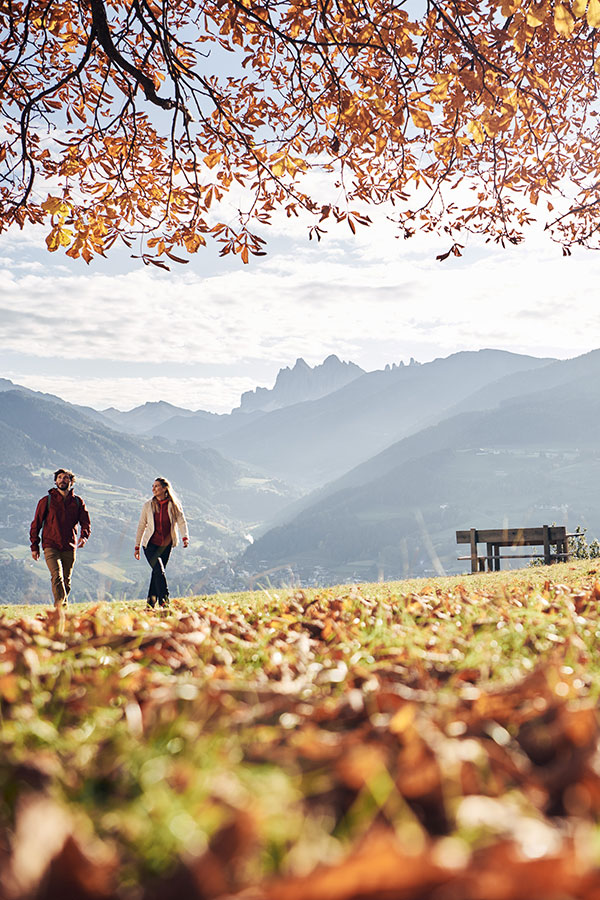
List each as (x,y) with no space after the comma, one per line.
(114,473)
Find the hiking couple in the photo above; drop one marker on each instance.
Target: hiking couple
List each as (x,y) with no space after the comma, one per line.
(61,511)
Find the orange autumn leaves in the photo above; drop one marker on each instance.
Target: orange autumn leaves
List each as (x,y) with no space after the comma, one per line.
(341,744)
(168,126)
(566,15)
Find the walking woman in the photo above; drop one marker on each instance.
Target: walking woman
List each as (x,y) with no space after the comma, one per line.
(161,517)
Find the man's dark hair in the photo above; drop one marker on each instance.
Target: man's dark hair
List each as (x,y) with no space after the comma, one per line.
(64,472)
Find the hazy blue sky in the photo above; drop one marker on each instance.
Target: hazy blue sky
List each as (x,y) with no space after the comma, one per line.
(117,333)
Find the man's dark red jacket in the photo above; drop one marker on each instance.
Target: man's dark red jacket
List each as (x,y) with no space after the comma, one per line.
(58,521)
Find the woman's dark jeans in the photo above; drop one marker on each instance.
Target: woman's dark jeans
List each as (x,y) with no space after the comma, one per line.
(158,557)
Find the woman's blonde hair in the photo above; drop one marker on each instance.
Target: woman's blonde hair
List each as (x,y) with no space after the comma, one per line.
(172,496)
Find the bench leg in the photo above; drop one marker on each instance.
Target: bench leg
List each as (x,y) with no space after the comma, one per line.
(474,557)
(547,554)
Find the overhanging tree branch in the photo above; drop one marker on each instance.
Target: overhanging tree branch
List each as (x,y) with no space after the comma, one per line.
(398,107)
(102,32)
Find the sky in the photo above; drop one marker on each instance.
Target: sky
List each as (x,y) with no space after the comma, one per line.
(118,333)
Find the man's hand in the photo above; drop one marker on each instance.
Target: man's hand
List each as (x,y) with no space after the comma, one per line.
(81,542)
(35,554)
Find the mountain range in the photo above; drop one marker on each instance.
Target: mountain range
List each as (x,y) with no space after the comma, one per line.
(311,442)
(336,474)
(300,383)
(531,458)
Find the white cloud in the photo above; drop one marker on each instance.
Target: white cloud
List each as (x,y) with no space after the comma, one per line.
(199,340)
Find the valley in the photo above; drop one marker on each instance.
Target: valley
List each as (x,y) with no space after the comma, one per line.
(367,478)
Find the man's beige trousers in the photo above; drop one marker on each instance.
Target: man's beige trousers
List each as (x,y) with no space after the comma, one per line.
(60,563)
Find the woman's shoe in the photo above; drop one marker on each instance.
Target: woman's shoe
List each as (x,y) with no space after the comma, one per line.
(151,602)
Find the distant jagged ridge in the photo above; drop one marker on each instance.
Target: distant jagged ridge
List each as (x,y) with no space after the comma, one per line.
(144,418)
(301,382)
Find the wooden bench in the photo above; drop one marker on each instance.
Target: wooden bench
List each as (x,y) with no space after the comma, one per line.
(545,536)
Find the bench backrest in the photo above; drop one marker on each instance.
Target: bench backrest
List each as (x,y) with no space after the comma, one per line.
(514,537)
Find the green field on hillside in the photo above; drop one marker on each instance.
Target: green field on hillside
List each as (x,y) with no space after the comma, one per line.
(433,737)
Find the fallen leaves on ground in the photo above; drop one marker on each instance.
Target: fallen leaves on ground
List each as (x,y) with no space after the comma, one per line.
(339,745)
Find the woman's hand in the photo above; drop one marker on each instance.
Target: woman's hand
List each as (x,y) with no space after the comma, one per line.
(186,541)
(136,552)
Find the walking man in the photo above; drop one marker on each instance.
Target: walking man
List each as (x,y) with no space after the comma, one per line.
(57,516)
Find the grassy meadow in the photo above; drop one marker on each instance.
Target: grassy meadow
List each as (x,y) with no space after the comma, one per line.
(429,738)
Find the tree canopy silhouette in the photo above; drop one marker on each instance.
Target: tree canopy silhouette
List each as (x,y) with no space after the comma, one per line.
(166,123)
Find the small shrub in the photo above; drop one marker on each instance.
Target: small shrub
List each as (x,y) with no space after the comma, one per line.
(579,547)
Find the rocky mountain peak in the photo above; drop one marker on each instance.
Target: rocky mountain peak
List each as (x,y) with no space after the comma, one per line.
(300,383)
